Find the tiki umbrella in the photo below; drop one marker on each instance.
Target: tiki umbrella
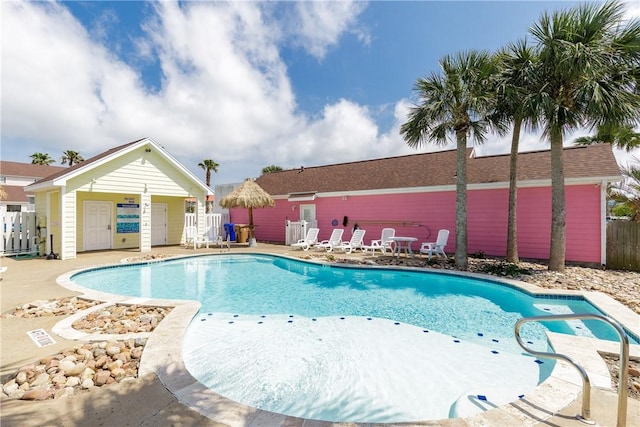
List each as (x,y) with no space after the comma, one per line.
(3,194)
(248,195)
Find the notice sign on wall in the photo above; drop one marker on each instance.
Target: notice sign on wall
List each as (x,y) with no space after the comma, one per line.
(128,218)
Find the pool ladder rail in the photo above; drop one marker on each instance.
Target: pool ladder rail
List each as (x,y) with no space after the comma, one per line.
(585,415)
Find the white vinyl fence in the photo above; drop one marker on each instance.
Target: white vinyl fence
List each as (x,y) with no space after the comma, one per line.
(19,234)
(213,224)
(296,230)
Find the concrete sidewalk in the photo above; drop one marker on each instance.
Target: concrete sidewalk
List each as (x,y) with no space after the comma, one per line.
(145,401)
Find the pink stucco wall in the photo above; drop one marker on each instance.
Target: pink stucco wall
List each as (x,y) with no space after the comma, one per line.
(487,219)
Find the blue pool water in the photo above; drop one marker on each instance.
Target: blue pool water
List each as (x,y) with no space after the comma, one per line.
(257,284)
(321,341)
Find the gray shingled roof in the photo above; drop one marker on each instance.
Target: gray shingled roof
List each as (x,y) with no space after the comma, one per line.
(436,169)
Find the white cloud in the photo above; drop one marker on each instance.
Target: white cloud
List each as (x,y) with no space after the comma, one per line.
(104,24)
(225,85)
(225,93)
(51,79)
(535,141)
(318,25)
(632,9)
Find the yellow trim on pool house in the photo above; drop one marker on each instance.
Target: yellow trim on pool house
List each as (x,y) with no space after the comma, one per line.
(129,197)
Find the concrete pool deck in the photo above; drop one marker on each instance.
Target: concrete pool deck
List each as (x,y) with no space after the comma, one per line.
(165,394)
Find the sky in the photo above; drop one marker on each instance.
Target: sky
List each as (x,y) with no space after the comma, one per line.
(246,84)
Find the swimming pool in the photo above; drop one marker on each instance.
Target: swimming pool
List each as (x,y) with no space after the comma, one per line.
(348,344)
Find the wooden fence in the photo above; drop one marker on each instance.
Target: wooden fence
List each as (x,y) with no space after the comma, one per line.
(623,245)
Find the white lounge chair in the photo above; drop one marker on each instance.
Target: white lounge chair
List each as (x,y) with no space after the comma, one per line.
(334,240)
(354,243)
(383,243)
(191,237)
(438,246)
(310,239)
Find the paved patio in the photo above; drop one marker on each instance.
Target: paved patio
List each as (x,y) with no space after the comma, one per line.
(147,402)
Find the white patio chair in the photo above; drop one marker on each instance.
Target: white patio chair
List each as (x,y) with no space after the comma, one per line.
(334,240)
(354,243)
(191,237)
(438,246)
(310,239)
(383,243)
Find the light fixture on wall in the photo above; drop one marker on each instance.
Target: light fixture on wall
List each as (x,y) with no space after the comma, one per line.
(147,150)
(93,180)
(293,207)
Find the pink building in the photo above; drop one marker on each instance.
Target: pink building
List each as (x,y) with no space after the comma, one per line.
(415,194)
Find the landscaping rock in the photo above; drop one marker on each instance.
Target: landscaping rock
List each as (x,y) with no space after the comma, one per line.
(61,307)
(621,285)
(72,371)
(122,319)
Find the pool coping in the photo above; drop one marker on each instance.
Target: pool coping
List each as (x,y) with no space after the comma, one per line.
(162,356)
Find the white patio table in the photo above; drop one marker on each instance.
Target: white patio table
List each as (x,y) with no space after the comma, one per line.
(401,243)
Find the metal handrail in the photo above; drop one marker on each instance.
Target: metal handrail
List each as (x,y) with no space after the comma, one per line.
(586,384)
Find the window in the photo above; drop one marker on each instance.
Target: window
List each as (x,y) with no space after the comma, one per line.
(189,206)
(308,213)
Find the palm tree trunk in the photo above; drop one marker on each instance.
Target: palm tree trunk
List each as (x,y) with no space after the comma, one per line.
(558,204)
(461,201)
(512,226)
(208,177)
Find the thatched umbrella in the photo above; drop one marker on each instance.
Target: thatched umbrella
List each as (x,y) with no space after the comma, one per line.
(248,195)
(3,194)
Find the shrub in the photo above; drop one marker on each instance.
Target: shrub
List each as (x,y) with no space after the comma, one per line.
(479,255)
(505,269)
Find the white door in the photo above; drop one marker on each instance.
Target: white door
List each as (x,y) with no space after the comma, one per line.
(97,226)
(158,224)
(308,213)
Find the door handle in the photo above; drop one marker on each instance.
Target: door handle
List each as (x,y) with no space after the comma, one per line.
(109,227)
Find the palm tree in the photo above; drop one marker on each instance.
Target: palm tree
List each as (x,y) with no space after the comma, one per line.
(454,102)
(627,192)
(208,165)
(71,157)
(588,68)
(623,137)
(41,159)
(271,168)
(514,85)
